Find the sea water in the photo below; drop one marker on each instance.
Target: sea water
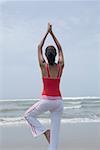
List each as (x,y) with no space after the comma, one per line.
(76,109)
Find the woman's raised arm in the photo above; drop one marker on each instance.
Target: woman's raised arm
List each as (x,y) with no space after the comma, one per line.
(60,52)
(40,54)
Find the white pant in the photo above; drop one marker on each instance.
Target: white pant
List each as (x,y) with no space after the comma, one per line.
(56,108)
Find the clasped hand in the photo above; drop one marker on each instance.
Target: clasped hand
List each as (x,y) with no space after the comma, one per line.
(49,28)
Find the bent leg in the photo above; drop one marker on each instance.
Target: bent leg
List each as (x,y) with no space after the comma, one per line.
(31,116)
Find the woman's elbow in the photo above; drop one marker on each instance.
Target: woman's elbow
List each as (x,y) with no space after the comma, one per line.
(39,46)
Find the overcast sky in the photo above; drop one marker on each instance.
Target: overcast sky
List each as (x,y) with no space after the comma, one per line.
(23,24)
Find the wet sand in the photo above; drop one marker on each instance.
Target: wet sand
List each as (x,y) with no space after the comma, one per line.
(73,136)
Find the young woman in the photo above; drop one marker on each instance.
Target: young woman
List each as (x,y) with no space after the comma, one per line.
(51,99)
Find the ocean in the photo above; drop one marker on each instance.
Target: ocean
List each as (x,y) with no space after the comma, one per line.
(76,109)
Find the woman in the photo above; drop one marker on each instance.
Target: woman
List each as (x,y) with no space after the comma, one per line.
(51,99)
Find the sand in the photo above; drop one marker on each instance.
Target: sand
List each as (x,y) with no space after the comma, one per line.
(73,136)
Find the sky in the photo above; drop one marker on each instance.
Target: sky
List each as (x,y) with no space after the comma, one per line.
(22,26)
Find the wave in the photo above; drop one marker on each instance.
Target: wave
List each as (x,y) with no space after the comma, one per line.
(16,100)
(72,107)
(12,110)
(82,98)
(64,98)
(21,120)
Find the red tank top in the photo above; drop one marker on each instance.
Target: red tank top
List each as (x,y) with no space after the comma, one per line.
(51,85)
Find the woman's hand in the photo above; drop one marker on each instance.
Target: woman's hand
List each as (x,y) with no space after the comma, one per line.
(49,27)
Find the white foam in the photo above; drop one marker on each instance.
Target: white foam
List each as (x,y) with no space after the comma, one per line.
(21,120)
(64,98)
(72,107)
(15,100)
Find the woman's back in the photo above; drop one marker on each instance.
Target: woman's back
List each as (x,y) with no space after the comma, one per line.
(51,80)
(53,71)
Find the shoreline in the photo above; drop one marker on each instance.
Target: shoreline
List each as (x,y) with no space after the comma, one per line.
(80,136)
(21,120)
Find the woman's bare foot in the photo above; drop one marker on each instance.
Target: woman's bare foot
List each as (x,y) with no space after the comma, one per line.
(47,135)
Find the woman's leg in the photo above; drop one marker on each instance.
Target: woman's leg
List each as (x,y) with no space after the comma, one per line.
(31,117)
(55,126)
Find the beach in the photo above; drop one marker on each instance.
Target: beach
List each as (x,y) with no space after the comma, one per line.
(76,26)
(80,125)
(73,136)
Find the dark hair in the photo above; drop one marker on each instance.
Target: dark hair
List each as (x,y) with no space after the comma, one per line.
(50,53)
